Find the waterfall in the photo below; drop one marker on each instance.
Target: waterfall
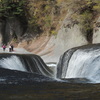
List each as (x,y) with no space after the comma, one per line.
(13,63)
(63,62)
(25,62)
(84,62)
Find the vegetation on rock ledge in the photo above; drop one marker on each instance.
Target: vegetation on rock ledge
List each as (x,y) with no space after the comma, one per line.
(11,8)
(44,16)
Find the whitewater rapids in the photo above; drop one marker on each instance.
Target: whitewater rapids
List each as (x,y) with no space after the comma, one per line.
(81,62)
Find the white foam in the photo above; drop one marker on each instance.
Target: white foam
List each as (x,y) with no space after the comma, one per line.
(13,63)
(84,64)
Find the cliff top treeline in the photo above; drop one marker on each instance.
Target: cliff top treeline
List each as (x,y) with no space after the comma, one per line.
(46,16)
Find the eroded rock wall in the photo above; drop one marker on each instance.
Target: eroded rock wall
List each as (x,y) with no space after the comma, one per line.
(11,29)
(69,36)
(96,32)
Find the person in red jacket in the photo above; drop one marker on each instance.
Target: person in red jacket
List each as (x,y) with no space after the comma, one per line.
(4,47)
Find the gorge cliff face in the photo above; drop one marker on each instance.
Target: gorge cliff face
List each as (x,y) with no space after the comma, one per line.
(96,31)
(70,35)
(50,27)
(12,29)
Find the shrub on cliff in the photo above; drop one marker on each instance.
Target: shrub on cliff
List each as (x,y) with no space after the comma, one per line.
(11,8)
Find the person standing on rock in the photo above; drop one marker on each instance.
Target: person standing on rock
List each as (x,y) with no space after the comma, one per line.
(12,47)
(9,48)
(4,47)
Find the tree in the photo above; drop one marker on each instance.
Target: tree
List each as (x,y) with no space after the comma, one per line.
(11,8)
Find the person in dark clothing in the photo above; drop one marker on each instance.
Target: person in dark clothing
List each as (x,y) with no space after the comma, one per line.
(12,47)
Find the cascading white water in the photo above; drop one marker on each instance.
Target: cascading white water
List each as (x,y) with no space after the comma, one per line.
(25,62)
(85,64)
(13,63)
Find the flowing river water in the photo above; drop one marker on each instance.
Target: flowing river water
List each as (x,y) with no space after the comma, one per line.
(27,77)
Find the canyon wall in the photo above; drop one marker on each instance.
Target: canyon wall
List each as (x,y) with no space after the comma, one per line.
(96,32)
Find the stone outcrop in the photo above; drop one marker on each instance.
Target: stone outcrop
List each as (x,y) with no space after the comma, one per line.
(11,28)
(96,32)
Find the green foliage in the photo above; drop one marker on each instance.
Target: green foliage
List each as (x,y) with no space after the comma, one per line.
(85,11)
(32,23)
(97,7)
(88,14)
(48,21)
(53,32)
(87,25)
(47,7)
(33,26)
(9,8)
(86,18)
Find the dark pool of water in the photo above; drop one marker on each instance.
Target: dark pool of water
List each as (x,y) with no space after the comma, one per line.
(50,91)
(16,85)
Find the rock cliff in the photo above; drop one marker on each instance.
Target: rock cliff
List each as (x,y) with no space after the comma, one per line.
(50,27)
